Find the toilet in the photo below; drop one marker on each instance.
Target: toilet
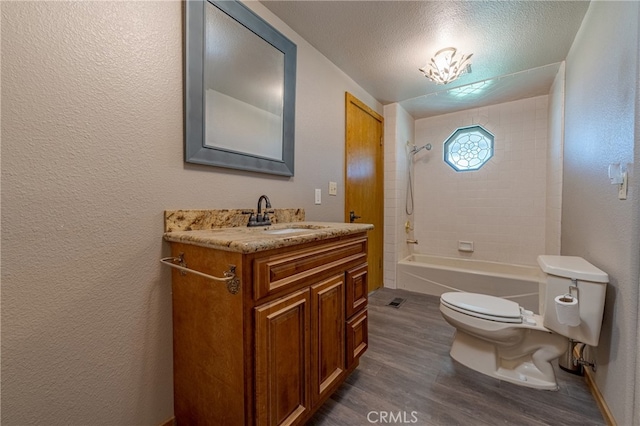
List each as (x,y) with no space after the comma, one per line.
(497,337)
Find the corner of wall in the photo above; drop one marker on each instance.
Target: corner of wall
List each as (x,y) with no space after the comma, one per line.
(399,128)
(554,164)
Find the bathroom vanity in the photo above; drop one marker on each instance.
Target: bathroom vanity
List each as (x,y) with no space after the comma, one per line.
(269,347)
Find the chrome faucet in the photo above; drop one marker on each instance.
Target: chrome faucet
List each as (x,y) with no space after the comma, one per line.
(261,219)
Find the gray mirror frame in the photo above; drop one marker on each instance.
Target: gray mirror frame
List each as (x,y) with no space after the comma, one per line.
(195,149)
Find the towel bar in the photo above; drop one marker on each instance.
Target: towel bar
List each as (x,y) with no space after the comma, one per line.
(230,277)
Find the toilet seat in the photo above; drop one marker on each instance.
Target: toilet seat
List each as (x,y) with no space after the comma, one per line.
(496,337)
(483,306)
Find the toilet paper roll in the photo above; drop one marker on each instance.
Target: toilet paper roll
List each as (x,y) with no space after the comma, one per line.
(568,310)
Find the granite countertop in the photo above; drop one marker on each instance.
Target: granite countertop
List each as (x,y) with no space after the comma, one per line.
(250,240)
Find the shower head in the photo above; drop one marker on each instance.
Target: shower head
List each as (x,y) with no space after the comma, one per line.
(415,149)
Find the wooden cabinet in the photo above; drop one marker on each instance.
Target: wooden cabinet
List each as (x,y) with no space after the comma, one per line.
(357,340)
(275,351)
(282,360)
(327,337)
(356,294)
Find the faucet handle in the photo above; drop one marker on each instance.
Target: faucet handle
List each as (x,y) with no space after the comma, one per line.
(263,219)
(252,218)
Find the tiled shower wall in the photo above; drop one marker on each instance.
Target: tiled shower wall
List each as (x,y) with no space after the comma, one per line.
(554,164)
(501,208)
(399,129)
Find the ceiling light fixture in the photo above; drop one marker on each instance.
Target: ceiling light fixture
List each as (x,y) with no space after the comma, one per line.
(446,67)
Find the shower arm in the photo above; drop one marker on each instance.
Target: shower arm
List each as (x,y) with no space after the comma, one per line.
(415,149)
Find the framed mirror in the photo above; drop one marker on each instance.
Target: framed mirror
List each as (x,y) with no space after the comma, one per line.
(240,76)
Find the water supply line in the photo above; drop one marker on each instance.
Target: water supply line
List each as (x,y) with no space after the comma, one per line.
(408,208)
(579,359)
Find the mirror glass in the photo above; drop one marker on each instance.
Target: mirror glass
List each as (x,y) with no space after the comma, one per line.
(244,92)
(241,87)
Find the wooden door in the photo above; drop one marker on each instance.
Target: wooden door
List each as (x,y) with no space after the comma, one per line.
(327,336)
(282,360)
(364,181)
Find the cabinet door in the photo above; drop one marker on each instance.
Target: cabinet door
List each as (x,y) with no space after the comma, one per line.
(327,336)
(356,289)
(282,359)
(357,337)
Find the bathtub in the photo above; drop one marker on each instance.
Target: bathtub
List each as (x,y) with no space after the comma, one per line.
(436,275)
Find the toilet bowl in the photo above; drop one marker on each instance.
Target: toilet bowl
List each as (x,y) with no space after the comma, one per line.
(515,349)
(497,337)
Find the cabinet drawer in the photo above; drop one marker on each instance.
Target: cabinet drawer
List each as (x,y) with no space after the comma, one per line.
(356,289)
(357,337)
(283,271)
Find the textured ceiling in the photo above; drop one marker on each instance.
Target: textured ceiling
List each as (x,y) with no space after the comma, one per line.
(516,45)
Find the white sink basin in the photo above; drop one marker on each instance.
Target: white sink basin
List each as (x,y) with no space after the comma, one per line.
(292,229)
(284,231)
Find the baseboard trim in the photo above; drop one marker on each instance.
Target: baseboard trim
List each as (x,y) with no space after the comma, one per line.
(169,422)
(602,404)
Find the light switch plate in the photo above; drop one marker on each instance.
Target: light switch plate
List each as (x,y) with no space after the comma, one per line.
(622,188)
(333,188)
(318,196)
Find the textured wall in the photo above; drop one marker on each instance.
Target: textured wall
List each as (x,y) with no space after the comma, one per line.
(501,206)
(600,129)
(91,156)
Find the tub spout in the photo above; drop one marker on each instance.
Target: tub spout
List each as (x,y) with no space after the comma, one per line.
(412,241)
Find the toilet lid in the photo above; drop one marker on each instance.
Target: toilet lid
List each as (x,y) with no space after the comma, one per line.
(483,306)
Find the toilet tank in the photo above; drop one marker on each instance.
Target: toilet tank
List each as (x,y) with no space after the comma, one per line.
(559,272)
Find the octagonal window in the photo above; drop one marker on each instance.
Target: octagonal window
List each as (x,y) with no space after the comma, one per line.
(468,148)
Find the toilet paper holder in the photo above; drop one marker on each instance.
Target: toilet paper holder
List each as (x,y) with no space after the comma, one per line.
(574,287)
(570,295)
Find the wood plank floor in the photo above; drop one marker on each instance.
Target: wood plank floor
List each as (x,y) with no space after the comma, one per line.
(407,371)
